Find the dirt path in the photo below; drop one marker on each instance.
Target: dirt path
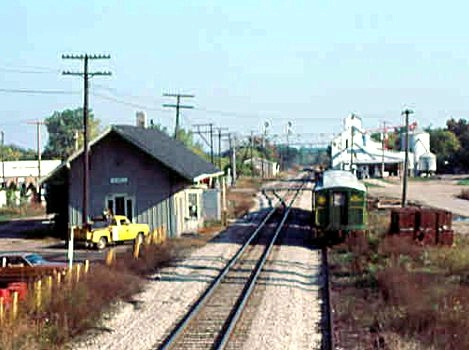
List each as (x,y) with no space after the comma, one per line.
(439,193)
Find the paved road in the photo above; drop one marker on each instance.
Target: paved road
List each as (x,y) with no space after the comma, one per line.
(13,237)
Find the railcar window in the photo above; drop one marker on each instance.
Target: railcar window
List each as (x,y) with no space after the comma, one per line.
(339,199)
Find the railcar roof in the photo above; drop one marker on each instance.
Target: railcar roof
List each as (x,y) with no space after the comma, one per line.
(340,178)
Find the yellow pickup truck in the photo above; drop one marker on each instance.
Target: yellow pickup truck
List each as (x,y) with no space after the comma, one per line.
(103,232)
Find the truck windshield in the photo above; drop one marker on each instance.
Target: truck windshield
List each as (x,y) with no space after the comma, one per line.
(99,224)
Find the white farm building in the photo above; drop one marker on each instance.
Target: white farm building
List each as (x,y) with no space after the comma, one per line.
(354,149)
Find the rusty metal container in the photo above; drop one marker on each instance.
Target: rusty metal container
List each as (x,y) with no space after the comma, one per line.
(444,219)
(444,233)
(403,221)
(445,237)
(426,225)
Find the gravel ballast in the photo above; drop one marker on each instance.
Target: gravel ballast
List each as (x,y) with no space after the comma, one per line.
(288,315)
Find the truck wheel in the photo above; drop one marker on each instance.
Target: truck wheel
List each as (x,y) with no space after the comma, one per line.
(101,243)
(140,238)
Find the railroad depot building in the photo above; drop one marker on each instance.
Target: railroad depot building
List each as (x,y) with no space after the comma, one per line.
(134,171)
(354,149)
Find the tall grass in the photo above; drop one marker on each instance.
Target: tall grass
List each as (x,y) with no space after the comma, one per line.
(388,291)
(78,307)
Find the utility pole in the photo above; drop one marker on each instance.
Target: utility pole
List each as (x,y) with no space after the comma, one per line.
(351,150)
(288,131)
(406,112)
(75,140)
(178,107)
(38,124)
(232,141)
(202,135)
(211,143)
(219,145)
(264,153)
(382,147)
(86,152)
(3,159)
(252,153)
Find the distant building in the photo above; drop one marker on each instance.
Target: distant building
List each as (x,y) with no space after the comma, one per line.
(25,171)
(354,149)
(265,168)
(24,176)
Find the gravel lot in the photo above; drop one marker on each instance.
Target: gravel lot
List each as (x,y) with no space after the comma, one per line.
(288,309)
(438,193)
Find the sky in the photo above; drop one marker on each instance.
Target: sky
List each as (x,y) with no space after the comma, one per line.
(310,63)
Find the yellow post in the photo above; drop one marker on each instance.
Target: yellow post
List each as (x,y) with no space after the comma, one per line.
(86,266)
(110,257)
(14,305)
(58,278)
(2,310)
(136,248)
(38,294)
(69,276)
(49,282)
(148,239)
(78,270)
(154,236)
(163,234)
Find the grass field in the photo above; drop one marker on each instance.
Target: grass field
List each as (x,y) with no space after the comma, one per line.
(25,210)
(463,182)
(390,293)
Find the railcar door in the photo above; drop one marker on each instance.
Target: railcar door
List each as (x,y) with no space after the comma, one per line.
(356,210)
(339,217)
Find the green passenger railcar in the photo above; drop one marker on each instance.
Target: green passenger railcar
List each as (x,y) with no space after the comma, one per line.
(339,203)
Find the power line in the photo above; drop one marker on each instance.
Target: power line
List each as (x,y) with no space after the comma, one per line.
(202,135)
(126,103)
(43,92)
(26,71)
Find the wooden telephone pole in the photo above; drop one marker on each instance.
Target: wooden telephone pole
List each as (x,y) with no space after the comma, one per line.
(406,158)
(86,75)
(178,107)
(38,124)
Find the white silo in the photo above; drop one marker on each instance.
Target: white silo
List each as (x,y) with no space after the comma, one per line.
(427,163)
(419,144)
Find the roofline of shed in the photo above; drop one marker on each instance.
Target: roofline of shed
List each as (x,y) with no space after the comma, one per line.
(107,131)
(75,155)
(204,176)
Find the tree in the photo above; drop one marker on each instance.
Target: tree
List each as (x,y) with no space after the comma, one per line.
(12,152)
(65,131)
(445,145)
(185,137)
(459,127)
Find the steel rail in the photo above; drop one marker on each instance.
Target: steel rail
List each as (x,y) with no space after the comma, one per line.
(234,316)
(180,327)
(328,337)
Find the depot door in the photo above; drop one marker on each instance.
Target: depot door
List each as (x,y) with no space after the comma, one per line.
(121,205)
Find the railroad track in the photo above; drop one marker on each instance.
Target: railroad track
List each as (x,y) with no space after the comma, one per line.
(210,322)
